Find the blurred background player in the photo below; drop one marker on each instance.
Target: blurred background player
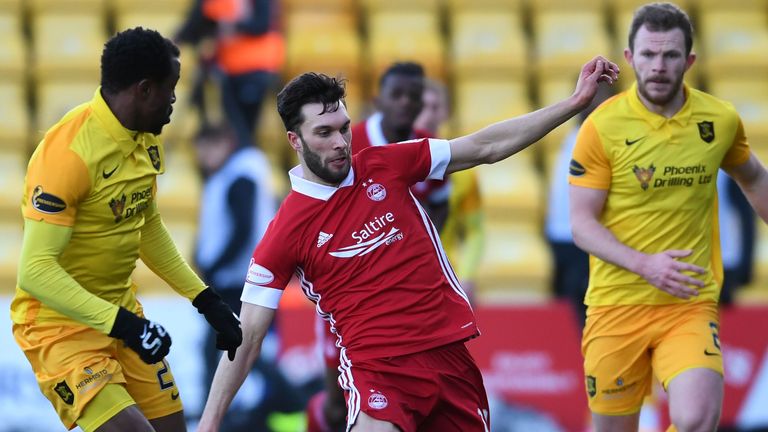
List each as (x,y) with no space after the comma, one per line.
(238,201)
(463,234)
(90,213)
(247,55)
(398,104)
(643,204)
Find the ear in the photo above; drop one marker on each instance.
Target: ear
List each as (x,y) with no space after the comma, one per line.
(690,60)
(628,56)
(144,88)
(295,141)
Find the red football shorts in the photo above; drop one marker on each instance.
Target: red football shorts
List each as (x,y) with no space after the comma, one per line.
(439,390)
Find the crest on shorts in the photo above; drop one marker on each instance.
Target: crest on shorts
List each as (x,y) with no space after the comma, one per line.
(591,386)
(63,390)
(706,131)
(154,156)
(644,175)
(377,400)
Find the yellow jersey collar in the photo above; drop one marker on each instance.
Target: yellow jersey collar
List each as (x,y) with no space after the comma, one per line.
(656,120)
(123,137)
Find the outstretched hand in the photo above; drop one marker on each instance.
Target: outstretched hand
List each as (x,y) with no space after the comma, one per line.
(597,70)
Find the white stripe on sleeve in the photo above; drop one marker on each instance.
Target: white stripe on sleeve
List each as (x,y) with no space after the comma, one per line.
(441,156)
(261,295)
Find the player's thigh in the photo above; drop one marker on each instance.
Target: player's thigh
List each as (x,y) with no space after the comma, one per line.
(152,386)
(128,419)
(366,423)
(463,402)
(691,341)
(617,363)
(621,423)
(112,409)
(171,423)
(695,399)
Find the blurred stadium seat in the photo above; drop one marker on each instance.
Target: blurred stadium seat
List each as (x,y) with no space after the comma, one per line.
(516,264)
(13,49)
(55,98)
(455,6)
(750,97)
(14,116)
(735,41)
(323,41)
(566,38)
(13,165)
(479,102)
(68,42)
(487,42)
(430,6)
(404,35)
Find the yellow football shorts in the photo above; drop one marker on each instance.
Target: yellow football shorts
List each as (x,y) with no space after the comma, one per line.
(72,363)
(623,346)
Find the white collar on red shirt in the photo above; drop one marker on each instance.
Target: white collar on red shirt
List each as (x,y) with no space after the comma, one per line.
(316,190)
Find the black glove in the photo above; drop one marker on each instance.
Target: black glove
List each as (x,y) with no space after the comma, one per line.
(149,339)
(229,336)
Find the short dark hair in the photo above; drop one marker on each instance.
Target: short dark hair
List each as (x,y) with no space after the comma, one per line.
(305,89)
(410,69)
(215,130)
(133,55)
(661,17)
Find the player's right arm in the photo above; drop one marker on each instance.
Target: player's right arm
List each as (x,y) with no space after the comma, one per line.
(41,275)
(590,182)
(229,376)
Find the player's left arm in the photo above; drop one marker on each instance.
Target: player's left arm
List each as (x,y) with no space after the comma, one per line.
(752,178)
(160,254)
(501,140)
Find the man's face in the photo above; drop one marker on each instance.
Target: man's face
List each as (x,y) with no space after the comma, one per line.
(157,103)
(399,101)
(660,62)
(434,113)
(323,143)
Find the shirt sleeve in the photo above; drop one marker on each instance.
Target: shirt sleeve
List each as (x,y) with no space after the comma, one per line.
(739,151)
(41,275)
(271,268)
(57,181)
(160,254)
(589,165)
(416,160)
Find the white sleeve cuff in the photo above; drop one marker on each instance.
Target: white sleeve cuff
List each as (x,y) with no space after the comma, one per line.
(441,156)
(261,295)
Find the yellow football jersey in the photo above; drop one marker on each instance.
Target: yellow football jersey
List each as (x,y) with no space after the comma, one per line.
(92,174)
(660,174)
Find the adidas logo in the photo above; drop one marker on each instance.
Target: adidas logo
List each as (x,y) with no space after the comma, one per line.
(323,238)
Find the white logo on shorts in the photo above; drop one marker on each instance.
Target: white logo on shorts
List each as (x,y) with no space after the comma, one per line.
(377,401)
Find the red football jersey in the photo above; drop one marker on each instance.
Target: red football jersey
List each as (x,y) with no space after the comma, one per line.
(367,255)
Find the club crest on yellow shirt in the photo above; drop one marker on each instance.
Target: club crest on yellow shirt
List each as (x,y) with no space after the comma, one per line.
(644,175)
(706,131)
(154,156)
(117,206)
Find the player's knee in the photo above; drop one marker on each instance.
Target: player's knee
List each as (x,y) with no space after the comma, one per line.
(701,418)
